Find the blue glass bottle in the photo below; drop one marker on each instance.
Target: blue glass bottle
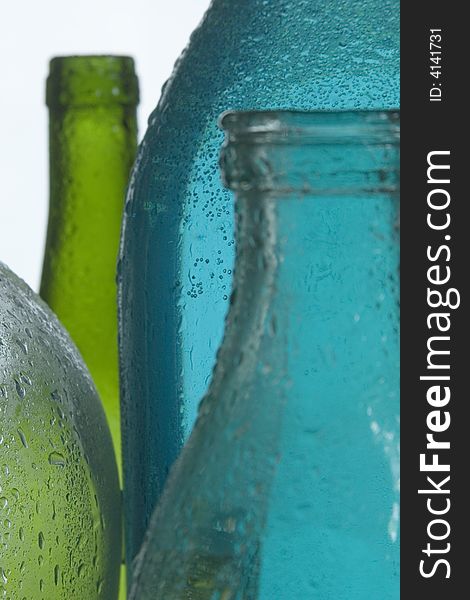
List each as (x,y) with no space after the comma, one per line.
(177,246)
(288,485)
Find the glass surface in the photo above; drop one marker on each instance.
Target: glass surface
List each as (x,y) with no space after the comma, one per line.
(178,243)
(92,104)
(92,138)
(289,485)
(60,533)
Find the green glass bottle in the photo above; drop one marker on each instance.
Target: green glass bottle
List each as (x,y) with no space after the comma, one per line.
(93,137)
(60,535)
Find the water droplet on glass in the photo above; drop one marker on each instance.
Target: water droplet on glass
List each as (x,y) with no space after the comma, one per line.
(22,438)
(56,458)
(20,389)
(56,574)
(23,345)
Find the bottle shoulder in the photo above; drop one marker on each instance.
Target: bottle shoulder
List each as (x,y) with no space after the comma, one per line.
(41,367)
(283,56)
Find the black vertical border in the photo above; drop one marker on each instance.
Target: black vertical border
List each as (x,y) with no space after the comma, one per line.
(429,126)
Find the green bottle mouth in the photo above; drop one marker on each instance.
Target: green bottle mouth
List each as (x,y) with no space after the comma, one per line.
(76,81)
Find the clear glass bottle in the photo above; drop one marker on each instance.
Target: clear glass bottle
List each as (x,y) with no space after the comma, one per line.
(177,246)
(291,474)
(60,509)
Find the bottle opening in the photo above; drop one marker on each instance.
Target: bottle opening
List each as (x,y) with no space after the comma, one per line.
(311,127)
(91,80)
(316,152)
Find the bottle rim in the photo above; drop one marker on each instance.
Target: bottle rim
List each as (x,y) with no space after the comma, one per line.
(343,152)
(311,127)
(88,80)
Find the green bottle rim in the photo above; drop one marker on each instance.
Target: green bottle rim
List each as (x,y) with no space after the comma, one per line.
(91,80)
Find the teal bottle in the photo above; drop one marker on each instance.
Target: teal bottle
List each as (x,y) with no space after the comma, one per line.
(177,248)
(288,487)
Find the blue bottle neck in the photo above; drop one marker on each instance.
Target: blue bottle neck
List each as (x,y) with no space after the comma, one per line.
(317,233)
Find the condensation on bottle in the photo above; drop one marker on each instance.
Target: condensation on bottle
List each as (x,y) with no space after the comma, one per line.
(60,518)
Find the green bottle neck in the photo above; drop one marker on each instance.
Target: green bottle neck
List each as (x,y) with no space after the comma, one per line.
(91,151)
(93,139)
(92,104)
(92,147)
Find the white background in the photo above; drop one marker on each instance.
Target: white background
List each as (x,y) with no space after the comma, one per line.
(154,32)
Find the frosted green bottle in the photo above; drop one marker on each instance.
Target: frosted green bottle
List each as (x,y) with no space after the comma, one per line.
(92,136)
(60,534)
